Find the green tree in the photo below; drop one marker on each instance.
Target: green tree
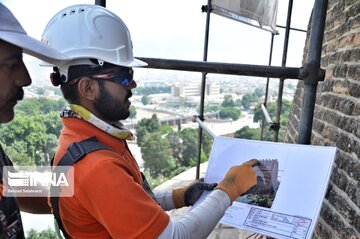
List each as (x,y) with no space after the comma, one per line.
(166,152)
(145,100)
(259,92)
(44,234)
(248,133)
(30,129)
(228,101)
(40,106)
(157,156)
(211,108)
(207,142)
(146,126)
(133,112)
(271,108)
(141,134)
(248,99)
(148,90)
(189,141)
(258,114)
(40,90)
(31,138)
(176,145)
(165,129)
(52,122)
(229,112)
(152,124)
(184,145)
(18,155)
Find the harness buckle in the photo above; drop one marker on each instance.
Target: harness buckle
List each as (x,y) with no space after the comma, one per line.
(75,152)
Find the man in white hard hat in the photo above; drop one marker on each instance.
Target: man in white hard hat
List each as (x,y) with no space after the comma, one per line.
(111,197)
(13,77)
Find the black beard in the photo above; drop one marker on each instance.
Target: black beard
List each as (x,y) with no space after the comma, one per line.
(109,108)
(19,95)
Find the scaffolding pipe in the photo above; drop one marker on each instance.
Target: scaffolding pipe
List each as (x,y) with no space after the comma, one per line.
(223,68)
(100,3)
(283,64)
(267,87)
(293,28)
(266,114)
(203,126)
(313,72)
(203,85)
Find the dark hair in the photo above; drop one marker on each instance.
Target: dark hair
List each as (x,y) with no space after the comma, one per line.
(68,89)
(70,93)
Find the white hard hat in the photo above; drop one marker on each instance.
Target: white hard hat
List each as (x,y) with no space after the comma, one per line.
(12,32)
(85,31)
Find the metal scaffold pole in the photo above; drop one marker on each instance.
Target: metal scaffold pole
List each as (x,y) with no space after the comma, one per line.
(100,3)
(312,72)
(283,64)
(203,85)
(267,87)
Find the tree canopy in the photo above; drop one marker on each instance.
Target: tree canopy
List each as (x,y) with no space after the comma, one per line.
(44,234)
(133,112)
(167,152)
(145,100)
(31,138)
(228,101)
(157,155)
(254,133)
(248,99)
(148,90)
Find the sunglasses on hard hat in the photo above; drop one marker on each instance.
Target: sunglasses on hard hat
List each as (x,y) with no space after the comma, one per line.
(124,76)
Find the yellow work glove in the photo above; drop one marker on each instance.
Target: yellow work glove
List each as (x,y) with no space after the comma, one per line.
(187,196)
(239,179)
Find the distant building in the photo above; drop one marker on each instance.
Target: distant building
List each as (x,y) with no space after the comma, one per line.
(212,89)
(148,83)
(50,94)
(184,91)
(28,94)
(159,98)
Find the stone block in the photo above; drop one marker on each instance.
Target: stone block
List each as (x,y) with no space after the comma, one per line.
(322,231)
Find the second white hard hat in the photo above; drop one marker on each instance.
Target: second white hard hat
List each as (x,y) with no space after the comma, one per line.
(12,32)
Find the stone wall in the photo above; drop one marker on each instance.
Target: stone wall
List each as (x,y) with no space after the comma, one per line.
(337,119)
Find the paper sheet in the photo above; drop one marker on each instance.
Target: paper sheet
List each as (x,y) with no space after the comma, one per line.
(292,208)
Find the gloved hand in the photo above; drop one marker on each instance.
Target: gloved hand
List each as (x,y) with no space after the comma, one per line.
(187,196)
(239,179)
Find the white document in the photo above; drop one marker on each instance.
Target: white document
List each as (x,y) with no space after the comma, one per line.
(292,207)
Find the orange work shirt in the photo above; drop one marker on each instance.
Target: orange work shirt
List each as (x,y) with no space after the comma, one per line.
(109,200)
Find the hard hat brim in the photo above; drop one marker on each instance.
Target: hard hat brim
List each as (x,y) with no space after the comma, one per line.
(33,47)
(137,63)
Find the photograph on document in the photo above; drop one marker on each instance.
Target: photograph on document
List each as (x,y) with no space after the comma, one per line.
(264,192)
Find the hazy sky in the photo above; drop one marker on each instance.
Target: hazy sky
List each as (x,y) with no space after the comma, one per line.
(176,29)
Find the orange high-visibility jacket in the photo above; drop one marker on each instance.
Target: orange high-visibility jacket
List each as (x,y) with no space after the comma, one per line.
(109,200)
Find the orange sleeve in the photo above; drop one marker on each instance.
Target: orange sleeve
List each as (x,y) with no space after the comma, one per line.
(112,196)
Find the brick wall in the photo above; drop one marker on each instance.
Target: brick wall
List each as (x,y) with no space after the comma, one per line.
(337,119)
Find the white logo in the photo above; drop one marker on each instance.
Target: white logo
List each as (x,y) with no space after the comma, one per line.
(36,181)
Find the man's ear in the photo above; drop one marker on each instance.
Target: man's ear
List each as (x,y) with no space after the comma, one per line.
(88,88)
